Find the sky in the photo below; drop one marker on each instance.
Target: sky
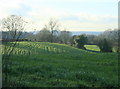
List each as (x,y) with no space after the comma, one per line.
(72,15)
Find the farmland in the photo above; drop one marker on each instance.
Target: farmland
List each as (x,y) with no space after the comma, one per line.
(43,64)
(92,47)
(96,48)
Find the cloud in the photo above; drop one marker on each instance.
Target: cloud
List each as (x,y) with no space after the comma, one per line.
(74,0)
(10,3)
(76,21)
(86,26)
(7,5)
(38,12)
(41,16)
(89,22)
(90,17)
(79,1)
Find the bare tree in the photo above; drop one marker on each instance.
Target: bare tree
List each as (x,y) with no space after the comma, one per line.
(53,26)
(14,26)
(44,35)
(65,36)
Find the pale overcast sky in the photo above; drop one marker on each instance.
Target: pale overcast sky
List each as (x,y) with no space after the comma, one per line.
(73,15)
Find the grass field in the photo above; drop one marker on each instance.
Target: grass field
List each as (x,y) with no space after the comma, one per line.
(92,47)
(40,64)
(96,48)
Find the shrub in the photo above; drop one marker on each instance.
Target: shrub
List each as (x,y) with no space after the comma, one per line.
(104,45)
(80,41)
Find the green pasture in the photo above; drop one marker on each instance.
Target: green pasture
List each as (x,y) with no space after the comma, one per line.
(92,47)
(96,48)
(40,64)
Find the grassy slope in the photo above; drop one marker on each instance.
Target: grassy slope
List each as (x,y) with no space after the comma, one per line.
(92,47)
(50,64)
(96,48)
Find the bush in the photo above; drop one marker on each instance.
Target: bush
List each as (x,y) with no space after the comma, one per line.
(80,41)
(104,45)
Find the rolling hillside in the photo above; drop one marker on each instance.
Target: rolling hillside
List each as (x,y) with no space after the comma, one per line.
(40,64)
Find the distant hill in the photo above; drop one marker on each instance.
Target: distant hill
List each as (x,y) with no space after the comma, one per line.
(86,32)
(79,32)
(73,32)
